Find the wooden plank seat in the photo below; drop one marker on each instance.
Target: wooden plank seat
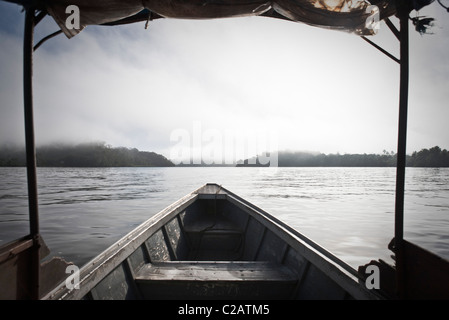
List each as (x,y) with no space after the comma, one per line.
(216,280)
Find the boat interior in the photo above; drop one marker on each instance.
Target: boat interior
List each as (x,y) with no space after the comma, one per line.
(215,245)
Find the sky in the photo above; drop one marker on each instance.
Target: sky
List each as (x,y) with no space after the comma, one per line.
(225,89)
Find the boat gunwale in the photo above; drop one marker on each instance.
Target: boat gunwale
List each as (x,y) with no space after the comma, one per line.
(119,251)
(321,258)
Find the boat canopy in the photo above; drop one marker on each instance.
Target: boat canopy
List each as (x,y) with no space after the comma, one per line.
(356,16)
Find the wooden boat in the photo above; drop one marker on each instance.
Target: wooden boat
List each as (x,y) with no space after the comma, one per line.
(212,244)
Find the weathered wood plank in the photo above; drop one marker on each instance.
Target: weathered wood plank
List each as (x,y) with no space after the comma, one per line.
(317,285)
(253,238)
(213,290)
(216,280)
(272,248)
(157,247)
(117,285)
(176,239)
(215,271)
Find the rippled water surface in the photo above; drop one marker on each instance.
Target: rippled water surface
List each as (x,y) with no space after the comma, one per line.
(349,211)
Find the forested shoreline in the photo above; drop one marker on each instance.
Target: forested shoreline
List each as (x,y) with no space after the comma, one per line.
(433,157)
(102,155)
(84,155)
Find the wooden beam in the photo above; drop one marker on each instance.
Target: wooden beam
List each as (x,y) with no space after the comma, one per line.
(393,28)
(31,150)
(381,49)
(401,152)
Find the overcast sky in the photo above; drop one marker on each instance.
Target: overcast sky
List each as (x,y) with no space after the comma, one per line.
(218,85)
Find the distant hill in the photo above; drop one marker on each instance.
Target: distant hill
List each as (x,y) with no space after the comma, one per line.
(84,155)
(102,155)
(433,157)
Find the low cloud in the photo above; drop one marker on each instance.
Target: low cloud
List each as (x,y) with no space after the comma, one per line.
(317,89)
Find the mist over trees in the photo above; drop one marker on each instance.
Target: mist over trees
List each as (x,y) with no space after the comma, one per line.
(102,155)
(433,157)
(84,155)
(289,159)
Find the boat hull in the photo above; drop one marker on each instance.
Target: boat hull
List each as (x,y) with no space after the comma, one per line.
(212,244)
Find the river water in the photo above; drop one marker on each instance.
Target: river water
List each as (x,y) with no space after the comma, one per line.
(349,211)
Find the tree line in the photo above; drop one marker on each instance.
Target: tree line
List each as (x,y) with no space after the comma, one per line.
(102,155)
(433,157)
(84,155)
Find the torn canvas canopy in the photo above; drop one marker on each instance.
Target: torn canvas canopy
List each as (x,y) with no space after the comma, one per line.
(357,16)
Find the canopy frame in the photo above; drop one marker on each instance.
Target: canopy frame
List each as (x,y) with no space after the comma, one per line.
(403,15)
(30,22)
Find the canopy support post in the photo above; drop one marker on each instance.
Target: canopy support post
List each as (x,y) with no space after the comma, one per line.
(31,151)
(403,16)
